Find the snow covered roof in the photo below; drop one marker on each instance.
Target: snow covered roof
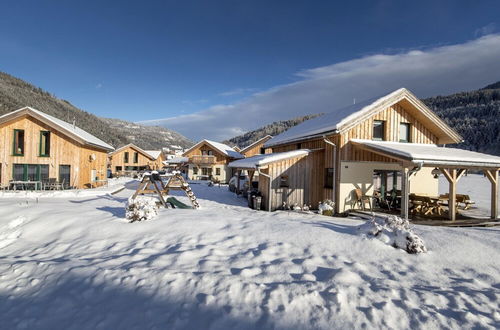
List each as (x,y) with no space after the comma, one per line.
(221,147)
(345,118)
(72,131)
(176,160)
(261,160)
(154,153)
(150,153)
(430,154)
(264,139)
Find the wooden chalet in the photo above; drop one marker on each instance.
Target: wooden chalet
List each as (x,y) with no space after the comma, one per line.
(388,143)
(256,148)
(35,146)
(131,158)
(209,160)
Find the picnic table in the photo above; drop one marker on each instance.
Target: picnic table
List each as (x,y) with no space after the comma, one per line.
(13,185)
(427,205)
(95,182)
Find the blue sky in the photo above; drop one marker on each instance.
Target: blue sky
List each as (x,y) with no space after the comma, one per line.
(141,60)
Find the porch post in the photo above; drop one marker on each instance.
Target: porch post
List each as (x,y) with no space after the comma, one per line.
(238,183)
(452,176)
(405,183)
(493,177)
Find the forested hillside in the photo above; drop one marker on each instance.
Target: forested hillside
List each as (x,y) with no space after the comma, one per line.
(16,93)
(475,115)
(273,129)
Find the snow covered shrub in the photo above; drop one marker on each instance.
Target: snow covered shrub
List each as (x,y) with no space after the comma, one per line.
(394,231)
(141,208)
(326,207)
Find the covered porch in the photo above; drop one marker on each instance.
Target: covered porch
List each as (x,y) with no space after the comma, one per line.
(452,163)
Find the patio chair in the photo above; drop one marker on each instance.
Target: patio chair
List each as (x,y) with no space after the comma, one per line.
(361,199)
(465,199)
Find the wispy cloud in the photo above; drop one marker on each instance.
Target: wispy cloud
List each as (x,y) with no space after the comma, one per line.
(485,30)
(195,102)
(238,91)
(428,72)
(98,86)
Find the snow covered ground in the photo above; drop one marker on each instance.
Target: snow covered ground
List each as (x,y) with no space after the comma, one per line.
(75,263)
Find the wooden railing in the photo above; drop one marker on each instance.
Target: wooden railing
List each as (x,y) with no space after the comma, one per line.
(202,159)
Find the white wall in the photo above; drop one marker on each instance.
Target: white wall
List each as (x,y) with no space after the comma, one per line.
(355,175)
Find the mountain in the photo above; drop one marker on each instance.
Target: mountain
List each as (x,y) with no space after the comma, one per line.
(273,129)
(16,93)
(474,114)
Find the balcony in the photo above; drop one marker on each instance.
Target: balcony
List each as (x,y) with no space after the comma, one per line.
(202,160)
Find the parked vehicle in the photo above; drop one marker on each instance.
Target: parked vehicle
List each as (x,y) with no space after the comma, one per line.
(234,181)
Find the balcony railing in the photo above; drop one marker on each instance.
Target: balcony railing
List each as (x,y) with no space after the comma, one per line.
(202,159)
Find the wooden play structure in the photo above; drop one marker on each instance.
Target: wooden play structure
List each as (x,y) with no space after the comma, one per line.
(152,184)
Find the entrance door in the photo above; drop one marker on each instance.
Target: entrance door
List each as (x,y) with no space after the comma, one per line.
(65,174)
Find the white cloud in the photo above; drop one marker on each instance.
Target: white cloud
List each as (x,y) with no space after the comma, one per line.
(439,70)
(237,91)
(98,86)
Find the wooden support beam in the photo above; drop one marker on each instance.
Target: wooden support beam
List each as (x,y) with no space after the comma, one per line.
(405,193)
(492,175)
(238,182)
(452,175)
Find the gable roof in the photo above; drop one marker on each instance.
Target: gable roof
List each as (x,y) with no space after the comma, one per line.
(262,140)
(68,129)
(133,146)
(154,153)
(345,118)
(260,160)
(221,147)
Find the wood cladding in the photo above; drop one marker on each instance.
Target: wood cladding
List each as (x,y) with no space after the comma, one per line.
(118,159)
(63,151)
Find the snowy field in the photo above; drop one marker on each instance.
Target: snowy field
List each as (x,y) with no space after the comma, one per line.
(75,263)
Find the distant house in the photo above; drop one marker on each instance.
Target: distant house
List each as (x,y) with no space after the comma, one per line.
(132,158)
(256,148)
(209,159)
(35,146)
(387,144)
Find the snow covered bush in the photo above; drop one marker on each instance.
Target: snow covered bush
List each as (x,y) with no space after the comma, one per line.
(141,208)
(394,231)
(326,207)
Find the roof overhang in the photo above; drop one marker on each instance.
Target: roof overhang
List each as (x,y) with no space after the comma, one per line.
(429,155)
(261,161)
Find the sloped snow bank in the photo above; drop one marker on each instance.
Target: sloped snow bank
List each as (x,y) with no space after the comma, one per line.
(394,231)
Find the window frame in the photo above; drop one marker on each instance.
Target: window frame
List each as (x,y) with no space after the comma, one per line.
(136,157)
(408,126)
(47,144)
(327,184)
(217,171)
(14,140)
(126,157)
(383,130)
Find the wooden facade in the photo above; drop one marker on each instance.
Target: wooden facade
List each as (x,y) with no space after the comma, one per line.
(256,148)
(133,158)
(77,163)
(339,151)
(207,162)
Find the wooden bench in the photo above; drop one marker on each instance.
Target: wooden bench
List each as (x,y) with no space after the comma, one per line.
(461,199)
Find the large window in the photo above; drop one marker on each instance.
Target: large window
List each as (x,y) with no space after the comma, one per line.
(217,171)
(65,175)
(30,172)
(125,157)
(136,157)
(329,178)
(379,130)
(18,142)
(44,144)
(404,132)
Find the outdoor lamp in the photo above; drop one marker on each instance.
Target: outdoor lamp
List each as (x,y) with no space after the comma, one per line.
(436,172)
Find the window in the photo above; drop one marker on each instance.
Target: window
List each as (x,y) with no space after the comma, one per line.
(329,178)
(207,153)
(206,171)
(262,151)
(284,181)
(217,171)
(65,175)
(136,157)
(379,130)
(30,172)
(44,144)
(299,145)
(125,157)
(18,142)
(195,170)
(404,132)
(18,172)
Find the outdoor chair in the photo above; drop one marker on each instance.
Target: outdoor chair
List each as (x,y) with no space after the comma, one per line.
(362,199)
(465,199)
(49,184)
